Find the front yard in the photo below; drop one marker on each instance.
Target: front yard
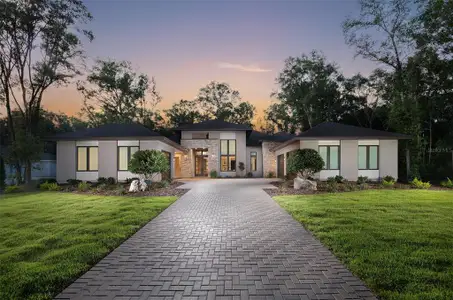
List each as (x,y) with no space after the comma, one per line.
(49,239)
(399,242)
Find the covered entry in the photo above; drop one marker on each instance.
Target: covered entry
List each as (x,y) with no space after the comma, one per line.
(201,162)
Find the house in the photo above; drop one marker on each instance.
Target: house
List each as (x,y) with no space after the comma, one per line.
(216,145)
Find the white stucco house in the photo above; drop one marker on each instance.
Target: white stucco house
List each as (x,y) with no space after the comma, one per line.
(216,145)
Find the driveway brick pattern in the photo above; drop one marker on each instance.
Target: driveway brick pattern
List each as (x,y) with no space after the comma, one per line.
(224,239)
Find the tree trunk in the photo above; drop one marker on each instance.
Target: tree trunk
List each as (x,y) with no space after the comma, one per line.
(18,168)
(28,167)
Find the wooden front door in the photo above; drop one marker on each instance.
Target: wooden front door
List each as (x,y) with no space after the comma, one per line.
(201,162)
(281,166)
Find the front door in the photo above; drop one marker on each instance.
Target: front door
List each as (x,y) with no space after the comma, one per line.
(280,166)
(201,162)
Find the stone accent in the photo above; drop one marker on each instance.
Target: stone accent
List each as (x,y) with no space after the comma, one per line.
(269,158)
(188,161)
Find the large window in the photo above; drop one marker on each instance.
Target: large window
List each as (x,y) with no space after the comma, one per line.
(87,159)
(227,155)
(253,161)
(368,157)
(331,157)
(124,156)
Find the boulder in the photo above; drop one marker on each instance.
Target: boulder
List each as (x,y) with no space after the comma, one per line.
(143,185)
(305,184)
(134,186)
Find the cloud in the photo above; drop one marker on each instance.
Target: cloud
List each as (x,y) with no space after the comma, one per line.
(250,68)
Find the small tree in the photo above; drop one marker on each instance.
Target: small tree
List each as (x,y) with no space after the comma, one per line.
(305,163)
(148,163)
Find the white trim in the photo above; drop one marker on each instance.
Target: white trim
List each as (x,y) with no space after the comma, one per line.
(129,143)
(87,144)
(329,143)
(227,136)
(368,142)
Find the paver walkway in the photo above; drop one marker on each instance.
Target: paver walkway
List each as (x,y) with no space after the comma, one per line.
(224,239)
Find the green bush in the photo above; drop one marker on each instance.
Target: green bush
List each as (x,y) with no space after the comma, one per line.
(331,179)
(163,184)
(83,186)
(102,180)
(362,179)
(148,163)
(12,189)
(49,186)
(363,186)
(304,162)
(349,186)
(249,175)
(332,187)
(448,183)
(339,179)
(102,187)
(389,178)
(270,174)
(418,184)
(119,191)
(213,174)
(111,181)
(44,180)
(388,184)
(73,181)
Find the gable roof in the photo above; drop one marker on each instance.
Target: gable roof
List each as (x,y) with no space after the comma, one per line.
(337,131)
(215,125)
(257,137)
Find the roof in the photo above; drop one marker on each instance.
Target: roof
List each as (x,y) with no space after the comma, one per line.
(331,130)
(216,125)
(257,137)
(106,131)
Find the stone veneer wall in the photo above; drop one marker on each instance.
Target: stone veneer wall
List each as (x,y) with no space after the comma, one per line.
(188,160)
(269,158)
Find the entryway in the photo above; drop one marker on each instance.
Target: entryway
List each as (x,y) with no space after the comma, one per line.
(201,162)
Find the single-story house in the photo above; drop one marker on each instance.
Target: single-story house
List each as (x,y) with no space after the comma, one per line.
(216,145)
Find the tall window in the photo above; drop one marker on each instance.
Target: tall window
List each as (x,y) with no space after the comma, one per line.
(253,161)
(331,157)
(368,157)
(124,156)
(227,155)
(87,158)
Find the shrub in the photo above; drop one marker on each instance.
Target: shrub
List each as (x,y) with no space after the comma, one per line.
(418,184)
(44,180)
(120,190)
(339,179)
(12,189)
(331,179)
(73,181)
(129,180)
(83,186)
(332,187)
(388,184)
(148,163)
(363,186)
(213,174)
(102,187)
(270,174)
(305,163)
(448,183)
(249,175)
(241,167)
(362,179)
(389,178)
(111,181)
(102,180)
(349,186)
(49,186)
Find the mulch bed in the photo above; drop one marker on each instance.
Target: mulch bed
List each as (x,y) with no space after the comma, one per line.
(171,190)
(286,188)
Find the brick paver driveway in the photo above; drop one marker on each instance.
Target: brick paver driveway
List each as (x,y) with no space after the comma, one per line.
(224,239)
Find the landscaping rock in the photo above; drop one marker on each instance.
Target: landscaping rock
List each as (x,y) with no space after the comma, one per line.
(305,184)
(134,188)
(143,185)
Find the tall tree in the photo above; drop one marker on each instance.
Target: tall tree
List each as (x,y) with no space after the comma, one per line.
(40,47)
(183,112)
(114,93)
(280,117)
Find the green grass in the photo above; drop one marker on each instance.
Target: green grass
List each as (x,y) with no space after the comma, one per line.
(399,242)
(49,239)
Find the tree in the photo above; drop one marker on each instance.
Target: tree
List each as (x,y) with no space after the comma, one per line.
(40,45)
(305,163)
(310,88)
(148,163)
(2,173)
(183,112)
(114,93)
(280,117)
(217,100)
(243,114)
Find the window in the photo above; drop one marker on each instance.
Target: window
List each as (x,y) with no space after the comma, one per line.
(253,161)
(368,157)
(87,158)
(124,156)
(227,155)
(331,157)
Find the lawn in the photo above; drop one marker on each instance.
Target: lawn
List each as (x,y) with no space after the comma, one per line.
(49,239)
(399,242)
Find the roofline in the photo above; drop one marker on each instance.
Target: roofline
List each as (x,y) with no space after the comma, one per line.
(300,138)
(207,129)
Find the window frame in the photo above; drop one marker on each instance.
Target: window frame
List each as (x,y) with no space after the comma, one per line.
(255,155)
(228,155)
(87,159)
(128,156)
(367,159)
(327,163)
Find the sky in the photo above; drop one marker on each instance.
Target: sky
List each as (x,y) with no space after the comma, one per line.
(186,44)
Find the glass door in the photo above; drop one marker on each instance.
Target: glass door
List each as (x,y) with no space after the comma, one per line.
(201,162)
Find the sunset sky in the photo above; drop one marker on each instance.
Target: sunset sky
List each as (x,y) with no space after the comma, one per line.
(187,44)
